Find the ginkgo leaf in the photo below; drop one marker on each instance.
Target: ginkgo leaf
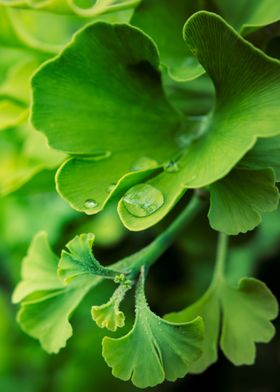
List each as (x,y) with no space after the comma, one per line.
(243,313)
(248,15)
(155,349)
(247,310)
(119,97)
(103,180)
(265,153)
(238,201)
(46,304)
(46,318)
(170,186)
(38,270)
(208,308)
(139,67)
(247,93)
(247,86)
(79,260)
(108,315)
(153,17)
(244,110)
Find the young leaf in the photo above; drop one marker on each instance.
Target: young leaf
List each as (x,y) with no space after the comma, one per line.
(46,305)
(79,260)
(38,270)
(246,313)
(108,315)
(154,349)
(239,199)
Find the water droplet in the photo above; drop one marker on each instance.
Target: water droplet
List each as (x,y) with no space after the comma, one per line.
(111,187)
(144,163)
(90,203)
(171,167)
(143,200)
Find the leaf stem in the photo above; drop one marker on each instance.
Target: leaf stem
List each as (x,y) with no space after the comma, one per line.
(148,255)
(221,257)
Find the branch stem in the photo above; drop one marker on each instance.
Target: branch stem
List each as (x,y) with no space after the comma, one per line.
(221,257)
(148,255)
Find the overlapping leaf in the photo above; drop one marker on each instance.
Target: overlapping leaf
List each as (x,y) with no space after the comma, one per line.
(246,313)
(109,315)
(46,304)
(116,103)
(163,20)
(79,260)
(155,349)
(247,93)
(240,198)
(231,129)
(265,153)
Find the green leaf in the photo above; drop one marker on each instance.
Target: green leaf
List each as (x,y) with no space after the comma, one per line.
(116,101)
(265,153)
(238,201)
(46,305)
(247,98)
(108,315)
(38,270)
(79,260)
(247,310)
(208,308)
(248,15)
(170,187)
(90,99)
(163,20)
(103,180)
(155,349)
(246,313)
(153,17)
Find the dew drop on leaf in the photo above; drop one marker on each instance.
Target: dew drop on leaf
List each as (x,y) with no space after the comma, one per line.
(171,167)
(111,187)
(143,200)
(144,163)
(90,203)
